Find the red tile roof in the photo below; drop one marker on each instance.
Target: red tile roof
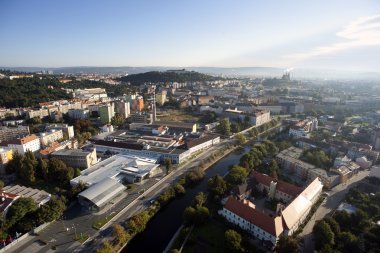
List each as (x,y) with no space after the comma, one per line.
(24,140)
(282,186)
(271,225)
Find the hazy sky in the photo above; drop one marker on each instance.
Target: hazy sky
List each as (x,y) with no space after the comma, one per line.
(342,34)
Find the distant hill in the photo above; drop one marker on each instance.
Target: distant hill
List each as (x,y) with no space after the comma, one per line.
(167,76)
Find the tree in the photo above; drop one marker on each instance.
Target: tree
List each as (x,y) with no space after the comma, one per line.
(19,209)
(233,240)
(14,164)
(273,168)
(225,127)
(347,242)
(26,172)
(202,214)
(199,199)
(253,132)
(51,211)
(179,189)
(333,224)
(323,234)
(59,172)
(217,186)
(105,248)
(189,215)
(117,120)
(287,244)
(1,184)
(168,165)
(237,175)
(241,139)
(42,170)
(120,234)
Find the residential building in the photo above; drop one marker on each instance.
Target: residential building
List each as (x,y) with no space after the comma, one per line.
(123,108)
(6,154)
(10,133)
(79,113)
(304,127)
(66,129)
(93,94)
(106,112)
(290,164)
(161,97)
(141,118)
(27,143)
(140,104)
(77,158)
(47,138)
(40,113)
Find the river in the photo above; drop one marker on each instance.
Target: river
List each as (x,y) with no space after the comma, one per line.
(165,223)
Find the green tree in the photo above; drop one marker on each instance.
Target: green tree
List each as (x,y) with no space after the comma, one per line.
(168,165)
(117,120)
(273,168)
(323,234)
(233,240)
(240,138)
(189,215)
(19,209)
(225,126)
(199,199)
(287,244)
(106,247)
(42,170)
(179,189)
(26,172)
(348,242)
(217,186)
(15,164)
(1,184)
(253,132)
(202,215)
(237,175)
(51,211)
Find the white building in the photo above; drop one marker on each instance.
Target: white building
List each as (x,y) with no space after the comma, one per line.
(79,113)
(69,130)
(48,138)
(30,142)
(265,227)
(123,108)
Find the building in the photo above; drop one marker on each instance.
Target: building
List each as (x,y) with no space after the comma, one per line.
(77,158)
(50,137)
(106,112)
(40,113)
(93,94)
(290,164)
(10,133)
(265,227)
(28,143)
(304,127)
(55,146)
(66,129)
(141,118)
(123,108)
(276,189)
(6,200)
(375,172)
(39,196)
(103,179)
(177,127)
(161,97)
(6,154)
(256,118)
(79,113)
(140,104)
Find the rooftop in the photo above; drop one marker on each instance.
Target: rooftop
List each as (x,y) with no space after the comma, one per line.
(71,152)
(25,192)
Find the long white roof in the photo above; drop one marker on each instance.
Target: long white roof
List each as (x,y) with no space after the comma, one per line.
(101,192)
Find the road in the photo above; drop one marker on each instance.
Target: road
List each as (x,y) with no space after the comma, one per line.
(331,203)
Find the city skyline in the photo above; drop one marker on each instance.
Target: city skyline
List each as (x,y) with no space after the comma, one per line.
(332,35)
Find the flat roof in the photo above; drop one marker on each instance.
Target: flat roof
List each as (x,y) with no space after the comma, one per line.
(71,152)
(25,192)
(112,167)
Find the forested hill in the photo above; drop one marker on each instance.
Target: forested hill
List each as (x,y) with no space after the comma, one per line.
(25,92)
(167,76)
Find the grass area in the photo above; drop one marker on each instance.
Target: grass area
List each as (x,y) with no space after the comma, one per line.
(178,115)
(207,238)
(98,224)
(81,238)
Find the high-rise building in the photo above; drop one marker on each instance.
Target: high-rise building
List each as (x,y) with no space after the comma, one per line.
(140,104)
(106,112)
(161,97)
(123,108)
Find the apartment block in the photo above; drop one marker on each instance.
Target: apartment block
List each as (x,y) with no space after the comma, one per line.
(10,133)
(77,158)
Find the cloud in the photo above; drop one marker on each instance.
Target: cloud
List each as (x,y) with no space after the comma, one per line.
(362,32)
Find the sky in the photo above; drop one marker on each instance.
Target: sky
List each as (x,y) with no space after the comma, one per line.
(327,34)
